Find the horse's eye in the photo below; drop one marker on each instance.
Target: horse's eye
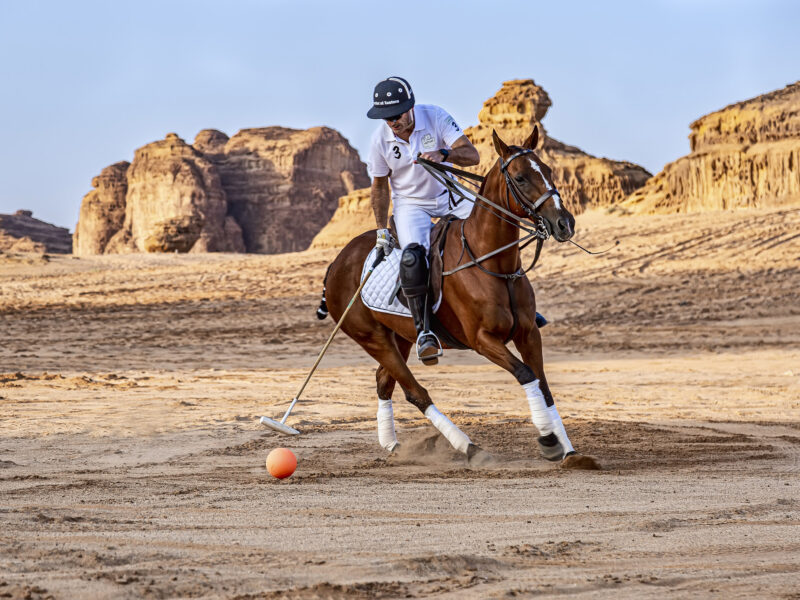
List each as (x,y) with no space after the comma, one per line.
(519,178)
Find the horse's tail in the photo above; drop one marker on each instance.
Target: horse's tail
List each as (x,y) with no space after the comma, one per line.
(322,309)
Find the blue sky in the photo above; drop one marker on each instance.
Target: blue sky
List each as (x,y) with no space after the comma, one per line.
(85,83)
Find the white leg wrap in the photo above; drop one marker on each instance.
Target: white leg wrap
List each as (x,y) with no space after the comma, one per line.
(386,435)
(454,435)
(546,419)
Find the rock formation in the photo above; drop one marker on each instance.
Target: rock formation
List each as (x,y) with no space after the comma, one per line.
(584,180)
(283,184)
(102,210)
(211,143)
(174,202)
(745,155)
(20,232)
(264,190)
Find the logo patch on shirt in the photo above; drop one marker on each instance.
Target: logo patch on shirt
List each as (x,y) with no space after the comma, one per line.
(428,143)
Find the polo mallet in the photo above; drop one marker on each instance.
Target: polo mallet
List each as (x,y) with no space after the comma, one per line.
(281,425)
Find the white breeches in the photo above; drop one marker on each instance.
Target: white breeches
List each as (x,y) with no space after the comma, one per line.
(546,418)
(412,217)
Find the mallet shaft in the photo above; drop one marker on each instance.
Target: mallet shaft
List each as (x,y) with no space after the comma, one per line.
(378,260)
(288,410)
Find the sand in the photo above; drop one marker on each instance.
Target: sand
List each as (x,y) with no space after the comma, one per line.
(132,460)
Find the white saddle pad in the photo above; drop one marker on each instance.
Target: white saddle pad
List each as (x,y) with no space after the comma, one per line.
(379,292)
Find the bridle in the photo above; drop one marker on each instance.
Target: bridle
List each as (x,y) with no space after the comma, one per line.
(528,208)
(437,170)
(541,226)
(540,232)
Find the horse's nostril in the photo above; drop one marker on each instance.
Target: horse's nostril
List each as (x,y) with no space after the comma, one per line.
(562,225)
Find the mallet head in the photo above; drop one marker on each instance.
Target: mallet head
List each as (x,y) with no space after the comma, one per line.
(278,426)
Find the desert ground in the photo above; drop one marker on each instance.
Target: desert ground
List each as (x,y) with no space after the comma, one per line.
(132,459)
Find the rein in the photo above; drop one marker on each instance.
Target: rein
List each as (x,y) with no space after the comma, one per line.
(434,170)
(476,262)
(540,233)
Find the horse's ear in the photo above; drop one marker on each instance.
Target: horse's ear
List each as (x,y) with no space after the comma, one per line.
(532,140)
(500,145)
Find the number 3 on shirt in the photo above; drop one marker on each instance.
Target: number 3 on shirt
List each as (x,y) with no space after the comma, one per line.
(396,151)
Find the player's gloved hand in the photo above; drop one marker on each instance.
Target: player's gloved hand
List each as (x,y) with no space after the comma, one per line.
(385,241)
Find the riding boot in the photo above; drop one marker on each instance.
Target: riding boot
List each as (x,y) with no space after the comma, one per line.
(428,350)
(414,283)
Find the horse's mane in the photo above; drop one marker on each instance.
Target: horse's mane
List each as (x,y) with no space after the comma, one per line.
(486,178)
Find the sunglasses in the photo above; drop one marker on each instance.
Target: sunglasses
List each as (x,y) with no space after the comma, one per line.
(393,119)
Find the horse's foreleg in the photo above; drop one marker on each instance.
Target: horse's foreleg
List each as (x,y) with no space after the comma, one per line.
(553,441)
(387,437)
(382,348)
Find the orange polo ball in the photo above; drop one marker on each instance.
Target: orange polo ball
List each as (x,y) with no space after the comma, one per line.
(281,463)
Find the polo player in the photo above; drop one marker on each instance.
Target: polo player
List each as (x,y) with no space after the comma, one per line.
(408,131)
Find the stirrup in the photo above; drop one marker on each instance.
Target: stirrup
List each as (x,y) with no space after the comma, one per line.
(429,358)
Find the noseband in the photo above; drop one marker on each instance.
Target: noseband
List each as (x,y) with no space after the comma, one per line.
(530,209)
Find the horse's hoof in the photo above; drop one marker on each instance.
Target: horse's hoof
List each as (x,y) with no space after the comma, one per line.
(478,457)
(580,462)
(472,450)
(550,447)
(394,449)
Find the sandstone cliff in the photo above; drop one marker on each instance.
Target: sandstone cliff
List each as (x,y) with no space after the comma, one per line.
(283,184)
(20,232)
(102,210)
(582,179)
(175,201)
(168,200)
(264,190)
(745,155)
(211,143)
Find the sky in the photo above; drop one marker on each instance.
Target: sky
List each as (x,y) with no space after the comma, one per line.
(83,84)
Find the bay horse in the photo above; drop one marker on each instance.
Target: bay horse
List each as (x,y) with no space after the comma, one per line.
(475,306)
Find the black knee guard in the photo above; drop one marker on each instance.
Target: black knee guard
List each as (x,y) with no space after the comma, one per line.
(414,271)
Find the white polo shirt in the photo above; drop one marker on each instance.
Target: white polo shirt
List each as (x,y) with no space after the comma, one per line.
(434,128)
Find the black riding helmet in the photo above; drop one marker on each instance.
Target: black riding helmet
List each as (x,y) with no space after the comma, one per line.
(392,97)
